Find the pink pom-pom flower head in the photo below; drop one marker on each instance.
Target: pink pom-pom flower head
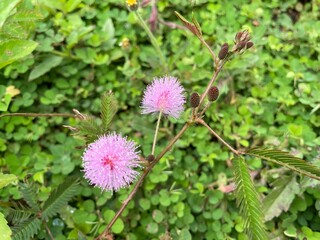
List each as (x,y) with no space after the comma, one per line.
(109,161)
(164,95)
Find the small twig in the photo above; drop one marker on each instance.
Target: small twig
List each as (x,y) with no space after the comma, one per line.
(48,230)
(38,115)
(140,180)
(199,120)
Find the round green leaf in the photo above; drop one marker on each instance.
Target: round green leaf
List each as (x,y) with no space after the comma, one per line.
(118,226)
(157,215)
(152,228)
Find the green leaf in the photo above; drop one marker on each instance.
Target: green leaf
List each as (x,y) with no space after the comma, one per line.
(60,197)
(152,228)
(6,6)
(248,200)
(285,159)
(157,215)
(18,214)
(281,197)
(26,230)
(185,234)
(108,109)
(4,228)
(45,66)
(88,129)
(6,179)
(27,16)
(13,50)
(29,194)
(118,226)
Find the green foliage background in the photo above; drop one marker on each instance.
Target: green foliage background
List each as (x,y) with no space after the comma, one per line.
(269,96)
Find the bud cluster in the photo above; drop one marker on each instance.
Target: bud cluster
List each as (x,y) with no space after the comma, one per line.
(242,41)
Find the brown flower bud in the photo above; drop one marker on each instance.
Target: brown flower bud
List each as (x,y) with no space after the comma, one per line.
(238,36)
(150,158)
(213,94)
(194,100)
(249,45)
(245,36)
(241,45)
(223,51)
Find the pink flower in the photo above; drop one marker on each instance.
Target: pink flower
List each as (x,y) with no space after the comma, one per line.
(165,95)
(108,162)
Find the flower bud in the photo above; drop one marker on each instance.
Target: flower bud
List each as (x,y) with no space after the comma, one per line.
(223,51)
(249,45)
(194,100)
(213,94)
(241,45)
(150,158)
(133,5)
(238,36)
(245,36)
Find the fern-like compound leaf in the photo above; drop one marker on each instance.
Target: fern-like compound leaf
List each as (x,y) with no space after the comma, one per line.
(285,159)
(29,193)
(26,229)
(60,197)
(108,109)
(18,213)
(248,200)
(88,129)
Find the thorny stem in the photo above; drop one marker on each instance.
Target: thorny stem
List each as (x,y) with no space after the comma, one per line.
(156,133)
(152,39)
(142,177)
(199,120)
(38,115)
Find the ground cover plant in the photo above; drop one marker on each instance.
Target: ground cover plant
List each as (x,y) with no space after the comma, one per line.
(190,185)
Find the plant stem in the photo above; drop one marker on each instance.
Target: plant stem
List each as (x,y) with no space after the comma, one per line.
(205,109)
(213,79)
(48,230)
(172,25)
(156,133)
(153,40)
(65,55)
(199,120)
(38,115)
(142,177)
(210,50)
